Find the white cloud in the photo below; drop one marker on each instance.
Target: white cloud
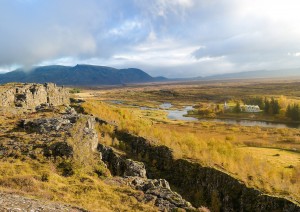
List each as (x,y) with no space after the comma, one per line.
(296,54)
(172,38)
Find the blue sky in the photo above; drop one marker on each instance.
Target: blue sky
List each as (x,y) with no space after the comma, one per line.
(173,38)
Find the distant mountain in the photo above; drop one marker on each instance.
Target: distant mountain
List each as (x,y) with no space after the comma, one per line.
(80,75)
(255,74)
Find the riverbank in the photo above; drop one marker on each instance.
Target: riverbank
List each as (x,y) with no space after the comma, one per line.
(250,120)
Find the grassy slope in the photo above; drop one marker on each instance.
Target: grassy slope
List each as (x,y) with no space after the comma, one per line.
(43,178)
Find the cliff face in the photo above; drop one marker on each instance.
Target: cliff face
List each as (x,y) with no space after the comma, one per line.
(201,185)
(30,95)
(133,173)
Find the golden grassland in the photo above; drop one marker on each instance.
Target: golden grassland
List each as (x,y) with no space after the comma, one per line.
(43,178)
(264,158)
(191,93)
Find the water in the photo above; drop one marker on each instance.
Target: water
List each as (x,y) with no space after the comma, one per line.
(147,108)
(254,123)
(180,115)
(117,102)
(165,106)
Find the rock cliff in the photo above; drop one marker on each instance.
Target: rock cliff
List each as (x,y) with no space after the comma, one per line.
(204,186)
(157,191)
(30,95)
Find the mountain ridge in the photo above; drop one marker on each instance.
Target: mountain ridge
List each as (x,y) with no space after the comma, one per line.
(81,74)
(92,75)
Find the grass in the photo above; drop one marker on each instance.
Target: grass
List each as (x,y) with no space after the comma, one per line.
(278,157)
(82,180)
(232,148)
(42,180)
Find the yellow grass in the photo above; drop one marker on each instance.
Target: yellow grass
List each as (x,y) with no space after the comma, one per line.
(215,144)
(42,180)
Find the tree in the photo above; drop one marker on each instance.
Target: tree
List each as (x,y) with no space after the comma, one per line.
(275,106)
(267,105)
(293,112)
(271,106)
(288,112)
(237,108)
(296,113)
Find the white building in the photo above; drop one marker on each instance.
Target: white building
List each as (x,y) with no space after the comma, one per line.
(226,107)
(251,108)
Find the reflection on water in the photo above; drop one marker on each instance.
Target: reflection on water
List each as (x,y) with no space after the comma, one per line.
(177,114)
(180,115)
(254,123)
(117,102)
(165,105)
(147,108)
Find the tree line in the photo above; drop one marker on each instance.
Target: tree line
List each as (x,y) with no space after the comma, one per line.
(269,106)
(293,112)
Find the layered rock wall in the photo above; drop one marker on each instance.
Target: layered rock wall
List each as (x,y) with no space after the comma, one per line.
(31,95)
(133,172)
(201,185)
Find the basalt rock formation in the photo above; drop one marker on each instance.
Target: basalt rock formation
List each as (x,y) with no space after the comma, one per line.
(60,135)
(157,191)
(31,95)
(201,185)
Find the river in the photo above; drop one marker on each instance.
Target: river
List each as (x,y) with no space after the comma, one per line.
(181,115)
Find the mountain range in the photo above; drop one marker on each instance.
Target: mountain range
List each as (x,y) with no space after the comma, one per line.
(81,75)
(90,75)
(280,73)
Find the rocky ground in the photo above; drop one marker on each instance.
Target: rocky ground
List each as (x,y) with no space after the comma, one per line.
(14,203)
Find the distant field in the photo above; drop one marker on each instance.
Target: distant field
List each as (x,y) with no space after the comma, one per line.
(265,158)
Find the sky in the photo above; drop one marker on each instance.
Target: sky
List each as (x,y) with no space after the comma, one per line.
(172,38)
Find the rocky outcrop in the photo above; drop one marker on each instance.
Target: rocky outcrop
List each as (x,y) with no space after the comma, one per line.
(157,191)
(13,202)
(201,185)
(48,125)
(120,166)
(31,95)
(60,136)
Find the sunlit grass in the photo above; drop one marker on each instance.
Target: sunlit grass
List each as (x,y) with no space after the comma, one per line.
(42,180)
(215,144)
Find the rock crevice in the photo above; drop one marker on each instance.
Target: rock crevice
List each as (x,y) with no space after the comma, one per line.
(134,175)
(204,186)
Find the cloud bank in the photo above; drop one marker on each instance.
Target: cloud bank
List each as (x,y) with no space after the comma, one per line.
(178,38)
